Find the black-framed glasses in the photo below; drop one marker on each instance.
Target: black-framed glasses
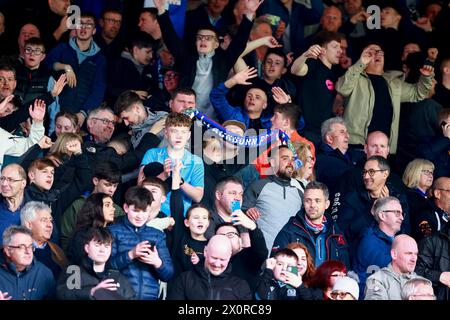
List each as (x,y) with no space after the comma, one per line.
(31,51)
(340,294)
(371,172)
(23,247)
(9,179)
(231,235)
(113,21)
(206,37)
(427,172)
(398,213)
(106,121)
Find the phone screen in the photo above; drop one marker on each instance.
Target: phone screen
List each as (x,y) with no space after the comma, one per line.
(235,205)
(293,269)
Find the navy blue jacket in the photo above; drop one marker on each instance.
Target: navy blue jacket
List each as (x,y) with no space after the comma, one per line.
(91,74)
(36,282)
(353,214)
(296,19)
(143,278)
(437,151)
(332,239)
(331,164)
(373,251)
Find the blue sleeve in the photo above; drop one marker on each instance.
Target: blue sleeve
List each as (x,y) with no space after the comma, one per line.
(313,15)
(53,56)
(149,156)
(198,174)
(166,271)
(97,95)
(118,260)
(223,108)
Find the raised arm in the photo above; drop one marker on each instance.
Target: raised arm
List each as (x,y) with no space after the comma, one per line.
(299,67)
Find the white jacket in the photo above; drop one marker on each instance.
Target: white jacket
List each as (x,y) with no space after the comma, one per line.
(16,146)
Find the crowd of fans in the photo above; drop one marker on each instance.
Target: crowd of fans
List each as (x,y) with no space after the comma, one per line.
(119,179)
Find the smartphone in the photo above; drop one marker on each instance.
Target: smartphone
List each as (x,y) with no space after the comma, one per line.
(113,274)
(235,205)
(293,269)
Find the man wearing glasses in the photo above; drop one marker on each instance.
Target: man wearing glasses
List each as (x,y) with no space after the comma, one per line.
(85,69)
(21,276)
(374,248)
(437,214)
(354,213)
(110,39)
(12,185)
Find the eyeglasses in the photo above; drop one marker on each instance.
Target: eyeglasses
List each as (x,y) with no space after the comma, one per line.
(23,247)
(341,294)
(112,21)
(36,52)
(378,52)
(9,179)
(86,25)
(427,172)
(231,235)
(106,121)
(206,37)
(371,172)
(398,213)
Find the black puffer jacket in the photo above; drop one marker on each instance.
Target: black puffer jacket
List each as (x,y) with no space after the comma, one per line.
(199,284)
(434,258)
(88,280)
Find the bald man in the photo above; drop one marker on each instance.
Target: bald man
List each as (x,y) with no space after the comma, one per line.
(386,284)
(211,280)
(436,215)
(12,185)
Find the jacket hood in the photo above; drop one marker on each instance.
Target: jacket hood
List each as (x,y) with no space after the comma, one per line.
(83,55)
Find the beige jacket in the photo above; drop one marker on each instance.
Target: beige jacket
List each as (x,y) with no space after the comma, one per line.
(359,95)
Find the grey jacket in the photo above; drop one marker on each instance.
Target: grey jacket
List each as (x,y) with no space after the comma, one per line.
(277,200)
(386,284)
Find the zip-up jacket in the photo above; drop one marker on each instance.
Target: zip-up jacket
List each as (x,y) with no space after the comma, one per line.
(330,244)
(143,277)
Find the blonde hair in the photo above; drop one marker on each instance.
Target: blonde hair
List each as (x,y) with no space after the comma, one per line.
(411,176)
(59,148)
(302,153)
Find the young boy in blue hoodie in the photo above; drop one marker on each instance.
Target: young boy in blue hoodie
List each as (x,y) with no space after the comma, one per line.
(85,69)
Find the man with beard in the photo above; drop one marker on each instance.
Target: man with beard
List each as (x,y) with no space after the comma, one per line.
(110,41)
(272,201)
(312,227)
